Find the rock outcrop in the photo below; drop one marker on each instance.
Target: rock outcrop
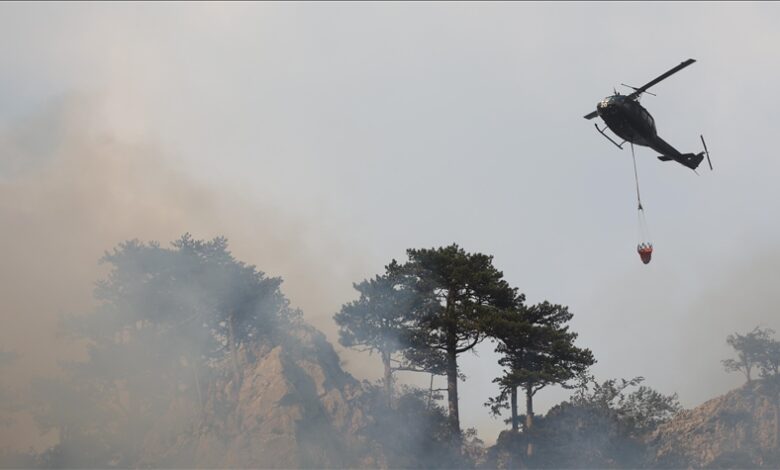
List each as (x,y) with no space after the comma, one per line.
(295,408)
(736,430)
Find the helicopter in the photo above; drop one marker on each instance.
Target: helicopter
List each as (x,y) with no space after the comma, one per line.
(624,116)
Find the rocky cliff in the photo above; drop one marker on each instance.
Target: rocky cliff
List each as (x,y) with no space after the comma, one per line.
(295,408)
(736,430)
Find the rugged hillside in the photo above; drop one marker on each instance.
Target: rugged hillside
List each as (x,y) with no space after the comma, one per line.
(295,408)
(736,430)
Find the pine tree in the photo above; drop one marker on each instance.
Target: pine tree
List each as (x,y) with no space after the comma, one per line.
(537,350)
(378,320)
(460,292)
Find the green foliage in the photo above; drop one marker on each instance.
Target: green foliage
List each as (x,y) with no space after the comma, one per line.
(160,333)
(639,412)
(602,425)
(189,293)
(458,295)
(754,349)
(541,350)
(378,319)
(537,349)
(498,404)
(381,321)
(769,356)
(460,292)
(415,433)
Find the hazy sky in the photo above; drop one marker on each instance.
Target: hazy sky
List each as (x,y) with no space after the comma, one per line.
(325,139)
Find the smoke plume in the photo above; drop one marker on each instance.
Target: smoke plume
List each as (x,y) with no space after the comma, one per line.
(70,189)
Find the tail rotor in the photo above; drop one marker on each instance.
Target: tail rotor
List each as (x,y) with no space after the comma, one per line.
(705,151)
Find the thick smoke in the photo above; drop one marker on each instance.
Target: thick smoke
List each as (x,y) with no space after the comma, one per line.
(70,190)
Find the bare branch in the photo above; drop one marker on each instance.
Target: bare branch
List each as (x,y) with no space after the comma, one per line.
(414,369)
(466,348)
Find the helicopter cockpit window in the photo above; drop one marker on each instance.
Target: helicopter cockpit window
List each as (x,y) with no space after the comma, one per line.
(647,117)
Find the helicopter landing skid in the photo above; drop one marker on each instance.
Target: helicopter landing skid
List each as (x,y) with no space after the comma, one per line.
(601,131)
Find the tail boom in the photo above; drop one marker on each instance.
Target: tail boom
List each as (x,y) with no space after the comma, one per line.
(691,160)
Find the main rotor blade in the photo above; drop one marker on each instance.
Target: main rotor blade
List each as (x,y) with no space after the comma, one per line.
(635,88)
(591,115)
(642,89)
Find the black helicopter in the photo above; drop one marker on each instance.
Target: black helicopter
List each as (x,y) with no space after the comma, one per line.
(631,122)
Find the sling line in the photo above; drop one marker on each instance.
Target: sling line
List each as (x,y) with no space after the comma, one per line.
(636,178)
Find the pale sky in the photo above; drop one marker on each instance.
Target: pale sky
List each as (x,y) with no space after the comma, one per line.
(324,139)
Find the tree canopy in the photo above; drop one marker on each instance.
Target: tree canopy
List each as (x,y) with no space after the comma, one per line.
(602,425)
(168,319)
(753,349)
(459,293)
(537,349)
(378,321)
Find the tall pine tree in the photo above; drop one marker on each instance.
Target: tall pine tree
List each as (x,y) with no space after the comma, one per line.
(460,294)
(377,321)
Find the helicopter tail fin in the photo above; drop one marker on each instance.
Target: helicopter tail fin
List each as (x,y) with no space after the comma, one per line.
(691,160)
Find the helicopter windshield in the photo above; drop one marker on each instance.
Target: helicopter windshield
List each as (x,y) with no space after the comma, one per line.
(648,118)
(610,100)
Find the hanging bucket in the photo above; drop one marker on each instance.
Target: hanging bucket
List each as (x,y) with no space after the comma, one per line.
(645,251)
(645,248)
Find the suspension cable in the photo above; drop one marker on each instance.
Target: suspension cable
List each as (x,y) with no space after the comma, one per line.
(636,179)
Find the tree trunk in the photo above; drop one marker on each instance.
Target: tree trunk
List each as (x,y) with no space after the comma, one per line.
(197,387)
(529,418)
(514,408)
(430,393)
(452,390)
(234,358)
(388,378)
(452,367)
(777,420)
